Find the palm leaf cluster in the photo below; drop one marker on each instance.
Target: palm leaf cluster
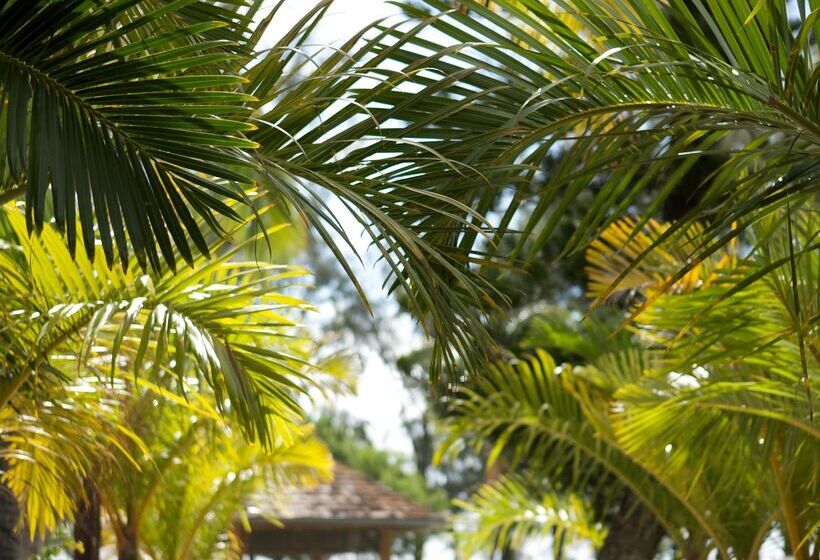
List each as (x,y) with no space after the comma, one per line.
(52,446)
(78,340)
(622,99)
(145,120)
(128,118)
(196,479)
(136,130)
(220,322)
(703,409)
(511,510)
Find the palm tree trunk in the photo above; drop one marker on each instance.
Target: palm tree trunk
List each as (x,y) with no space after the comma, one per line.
(10,548)
(128,544)
(634,534)
(87,529)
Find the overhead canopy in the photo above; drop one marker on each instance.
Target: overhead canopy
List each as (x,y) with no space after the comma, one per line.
(351,514)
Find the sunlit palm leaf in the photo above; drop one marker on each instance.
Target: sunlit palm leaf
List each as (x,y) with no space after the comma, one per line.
(50,448)
(547,420)
(199,477)
(508,511)
(220,322)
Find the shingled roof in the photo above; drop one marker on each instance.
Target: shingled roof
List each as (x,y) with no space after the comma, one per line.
(353,499)
(351,514)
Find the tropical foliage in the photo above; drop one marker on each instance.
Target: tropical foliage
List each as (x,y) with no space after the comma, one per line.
(631,95)
(702,410)
(73,337)
(144,119)
(459,138)
(196,479)
(506,512)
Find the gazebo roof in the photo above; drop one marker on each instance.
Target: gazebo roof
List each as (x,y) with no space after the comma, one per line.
(351,513)
(354,499)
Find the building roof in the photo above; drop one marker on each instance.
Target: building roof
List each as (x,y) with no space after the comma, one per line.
(350,500)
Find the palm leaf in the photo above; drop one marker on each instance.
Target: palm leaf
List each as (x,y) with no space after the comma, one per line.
(630,95)
(508,511)
(125,120)
(221,323)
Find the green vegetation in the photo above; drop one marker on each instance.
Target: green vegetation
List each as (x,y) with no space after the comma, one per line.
(348,442)
(153,154)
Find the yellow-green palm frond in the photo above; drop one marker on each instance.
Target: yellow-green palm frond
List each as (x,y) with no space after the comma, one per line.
(222,325)
(509,510)
(630,257)
(199,476)
(51,446)
(737,363)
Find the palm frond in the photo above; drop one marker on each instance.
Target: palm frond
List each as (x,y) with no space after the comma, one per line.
(126,118)
(554,422)
(52,446)
(186,509)
(508,511)
(220,325)
(631,95)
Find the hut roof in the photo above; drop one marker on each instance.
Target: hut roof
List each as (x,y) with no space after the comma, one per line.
(350,514)
(354,500)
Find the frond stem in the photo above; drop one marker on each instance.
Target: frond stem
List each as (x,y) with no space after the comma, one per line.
(790,518)
(813,128)
(12,194)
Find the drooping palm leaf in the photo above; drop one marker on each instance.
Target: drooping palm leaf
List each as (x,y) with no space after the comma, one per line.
(631,95)
(157,108)
(220,323)
(126,116)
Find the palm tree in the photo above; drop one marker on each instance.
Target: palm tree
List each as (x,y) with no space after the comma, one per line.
(170,474)
(219,327)
(196,480)
(700,413)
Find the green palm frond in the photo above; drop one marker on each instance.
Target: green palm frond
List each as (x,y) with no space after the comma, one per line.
(553,421)
(219,325)
(711,399)
(739,365)
(325,138)
(631,95)
(126,119)
(158,114)
(508,511)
